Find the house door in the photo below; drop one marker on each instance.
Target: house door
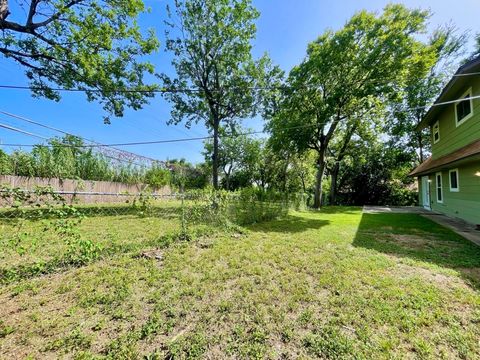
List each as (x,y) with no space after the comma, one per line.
(425,192)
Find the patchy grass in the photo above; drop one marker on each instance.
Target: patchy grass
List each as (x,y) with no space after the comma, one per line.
(333,284)
(33,247)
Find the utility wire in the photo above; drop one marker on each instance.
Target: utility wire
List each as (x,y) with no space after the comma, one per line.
(168,141)
(170,90)
(445,103)
(61,144)
(8,127)
(67,133)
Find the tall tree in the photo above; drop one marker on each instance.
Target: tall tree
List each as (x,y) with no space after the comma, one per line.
(428,72)
(92,45)
(211,44)
(345,71)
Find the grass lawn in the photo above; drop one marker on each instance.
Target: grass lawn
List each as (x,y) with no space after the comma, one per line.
(330,284)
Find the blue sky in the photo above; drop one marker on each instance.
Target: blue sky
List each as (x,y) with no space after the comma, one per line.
(285,27)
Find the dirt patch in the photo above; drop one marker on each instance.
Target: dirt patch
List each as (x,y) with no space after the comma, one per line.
(442,281)
(415,242)
(155,254)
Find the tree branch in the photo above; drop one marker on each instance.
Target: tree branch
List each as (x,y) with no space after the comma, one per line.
(55,16)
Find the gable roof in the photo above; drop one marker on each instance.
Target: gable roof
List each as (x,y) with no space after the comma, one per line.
(463,153)
(455,85)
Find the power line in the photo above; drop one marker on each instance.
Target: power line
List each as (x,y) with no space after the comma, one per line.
(164,141)
(171,90)
(120,91)
(22,131)
(466,74)
(168,141)
(445,103)
(49,145)
(67,133)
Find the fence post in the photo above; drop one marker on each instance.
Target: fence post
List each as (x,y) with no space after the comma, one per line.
(184,225)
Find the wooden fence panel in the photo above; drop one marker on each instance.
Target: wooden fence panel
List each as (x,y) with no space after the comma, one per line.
(85,191)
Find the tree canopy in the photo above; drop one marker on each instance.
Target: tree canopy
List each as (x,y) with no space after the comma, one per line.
(91,45)
(344,75)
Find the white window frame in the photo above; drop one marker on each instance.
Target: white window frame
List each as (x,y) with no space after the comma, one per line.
(439,187)
(469,93)
(457,189)
(437,124)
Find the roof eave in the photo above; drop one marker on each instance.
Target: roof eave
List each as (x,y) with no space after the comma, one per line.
(429,116)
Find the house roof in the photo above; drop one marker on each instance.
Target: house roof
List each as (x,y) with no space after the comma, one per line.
(430,165)
(455,85)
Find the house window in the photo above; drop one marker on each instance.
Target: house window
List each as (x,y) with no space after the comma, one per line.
(439,188)
(453,174)
(464,108)
(436,132)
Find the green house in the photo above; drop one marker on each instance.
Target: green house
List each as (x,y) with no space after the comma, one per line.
(449,181)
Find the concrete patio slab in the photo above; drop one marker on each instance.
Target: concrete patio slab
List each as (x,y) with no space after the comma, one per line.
(459,226)
(368,209)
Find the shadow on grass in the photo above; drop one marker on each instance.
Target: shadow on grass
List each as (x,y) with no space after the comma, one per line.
(289,224)
(415,237)
(343,210)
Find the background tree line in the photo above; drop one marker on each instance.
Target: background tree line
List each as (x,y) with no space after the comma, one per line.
(68,158)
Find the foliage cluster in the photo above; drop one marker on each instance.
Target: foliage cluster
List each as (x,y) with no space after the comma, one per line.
(93,45)
(242,207)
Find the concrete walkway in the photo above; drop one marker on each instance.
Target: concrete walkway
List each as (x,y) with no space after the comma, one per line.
(394,209)
(462,228)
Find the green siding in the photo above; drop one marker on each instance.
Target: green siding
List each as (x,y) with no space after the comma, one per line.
(464,204)
(451,136)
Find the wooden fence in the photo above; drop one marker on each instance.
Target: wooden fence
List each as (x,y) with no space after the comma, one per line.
(85,191)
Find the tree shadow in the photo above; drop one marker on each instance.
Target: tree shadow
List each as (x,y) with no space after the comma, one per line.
(415,237)
(289,224)
(345,210)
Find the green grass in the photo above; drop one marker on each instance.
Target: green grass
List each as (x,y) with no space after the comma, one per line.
(333,284)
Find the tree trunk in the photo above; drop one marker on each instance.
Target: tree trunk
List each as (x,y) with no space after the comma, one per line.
(215,155)
(420,147)
(333,184)
(304,187)
(317,198)
(4,12)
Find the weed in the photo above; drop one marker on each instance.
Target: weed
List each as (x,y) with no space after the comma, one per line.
(5,329)
(74,341)
(328,343)
(191,346)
